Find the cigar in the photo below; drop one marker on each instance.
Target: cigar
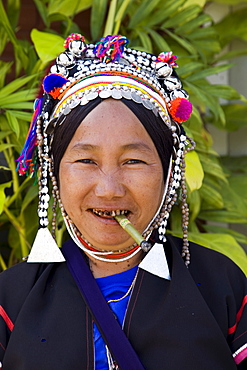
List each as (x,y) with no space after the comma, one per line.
(129,228)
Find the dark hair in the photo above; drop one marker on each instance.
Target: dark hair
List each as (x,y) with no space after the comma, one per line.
(154,125)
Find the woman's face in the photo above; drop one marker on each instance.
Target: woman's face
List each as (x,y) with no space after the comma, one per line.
(110,165)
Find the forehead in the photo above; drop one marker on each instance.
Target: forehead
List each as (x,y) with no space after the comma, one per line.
(111,122)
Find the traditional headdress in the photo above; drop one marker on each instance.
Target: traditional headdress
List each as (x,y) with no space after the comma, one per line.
(107,69)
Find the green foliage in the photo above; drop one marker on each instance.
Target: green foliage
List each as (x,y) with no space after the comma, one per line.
(183,26)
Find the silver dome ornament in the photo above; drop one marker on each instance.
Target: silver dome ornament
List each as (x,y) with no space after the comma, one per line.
(76,47)
(58,69)
(89,54)
(66,59)
(172,83)
(163,69)
(179,93)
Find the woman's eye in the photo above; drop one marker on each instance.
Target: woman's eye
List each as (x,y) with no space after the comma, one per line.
(134,161)
(86,161)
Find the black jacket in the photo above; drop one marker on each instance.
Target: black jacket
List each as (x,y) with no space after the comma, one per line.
(197,320)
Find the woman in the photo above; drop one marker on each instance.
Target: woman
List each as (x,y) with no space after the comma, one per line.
(110,137)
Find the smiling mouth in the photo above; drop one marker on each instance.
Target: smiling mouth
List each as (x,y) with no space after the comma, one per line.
(109,214)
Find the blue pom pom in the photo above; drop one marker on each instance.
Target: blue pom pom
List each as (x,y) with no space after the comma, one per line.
(53,81)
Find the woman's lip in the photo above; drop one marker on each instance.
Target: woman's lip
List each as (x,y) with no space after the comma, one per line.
(105,220)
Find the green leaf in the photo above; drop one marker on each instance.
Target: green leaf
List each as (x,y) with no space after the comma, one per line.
(211,46)
(201,3)
(42,11)
(2,263)
(208,72)
(32,194)
(212,198)
(4,21)
(203,34)
(183,16)
(182,42)
(200,92)
(193,24)
(163,11)
(189,68)
(235,116)
(21,96)
(19,105)
(68,7)
(223,91)
(212,167)
(230,2)
(142,12)
(241,238)
(233,25)
(231,54)
(4,134)
(15,85)
(18,50)
(194,201)
(5,146)
(145,41)
(25,116)
(194,173)
(5,68)
(236,195)
(13,11)
(223,216)
(47,45)
(110,18)
(120,14)
(234,164)
(2,193)
(13,123)
(158,40)
(222,243)
(97,17)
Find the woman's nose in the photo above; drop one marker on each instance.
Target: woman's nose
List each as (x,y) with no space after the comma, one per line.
(109,185)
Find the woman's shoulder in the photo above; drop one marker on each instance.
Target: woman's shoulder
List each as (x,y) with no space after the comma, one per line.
(17,281)
(21,273)
(204,258)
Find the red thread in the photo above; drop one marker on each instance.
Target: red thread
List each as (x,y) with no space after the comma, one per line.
(6,318)
(107,255)
(238,317)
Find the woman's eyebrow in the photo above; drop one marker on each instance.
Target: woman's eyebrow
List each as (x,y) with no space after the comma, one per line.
(84,146)
(137,146)
(132,146)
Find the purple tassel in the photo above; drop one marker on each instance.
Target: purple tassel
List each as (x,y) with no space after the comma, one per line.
(27,163)
(110,47)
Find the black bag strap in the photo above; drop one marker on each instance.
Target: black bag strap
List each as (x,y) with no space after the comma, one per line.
(112,333)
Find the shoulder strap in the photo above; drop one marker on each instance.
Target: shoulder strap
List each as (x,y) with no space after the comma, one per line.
(112,333)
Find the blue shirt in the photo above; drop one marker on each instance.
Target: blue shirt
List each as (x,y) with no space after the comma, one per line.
(112,287)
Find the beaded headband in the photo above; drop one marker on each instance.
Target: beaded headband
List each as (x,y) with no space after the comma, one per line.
(107,69)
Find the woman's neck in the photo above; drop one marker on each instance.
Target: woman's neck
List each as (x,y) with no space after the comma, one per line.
(101,268)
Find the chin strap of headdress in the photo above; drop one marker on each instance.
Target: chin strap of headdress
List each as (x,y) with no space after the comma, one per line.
(107,69)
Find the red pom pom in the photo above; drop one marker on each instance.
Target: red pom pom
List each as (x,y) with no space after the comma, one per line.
(72,37)
(180,109)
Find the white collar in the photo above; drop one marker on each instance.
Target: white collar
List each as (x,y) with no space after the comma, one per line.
(45,250)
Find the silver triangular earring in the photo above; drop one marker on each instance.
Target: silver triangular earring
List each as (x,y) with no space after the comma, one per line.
(155,262)
(45,249)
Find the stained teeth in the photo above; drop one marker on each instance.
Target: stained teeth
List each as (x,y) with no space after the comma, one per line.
(110,213)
